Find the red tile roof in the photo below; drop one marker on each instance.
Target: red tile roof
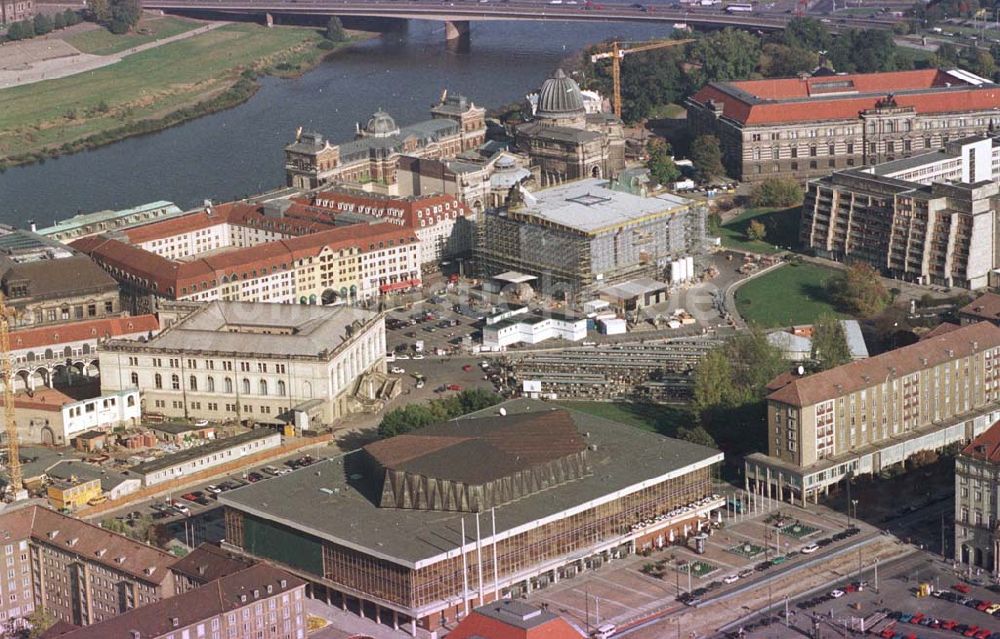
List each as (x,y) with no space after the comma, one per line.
(940,329)
(383,207)
(986,447)
(45,399)
(488,622)
(986,306)
(842,380)
(803,100)
(47,336)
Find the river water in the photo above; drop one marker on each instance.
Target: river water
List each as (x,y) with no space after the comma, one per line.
(238,152)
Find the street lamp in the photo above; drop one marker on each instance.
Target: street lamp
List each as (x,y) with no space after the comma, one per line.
(854,503)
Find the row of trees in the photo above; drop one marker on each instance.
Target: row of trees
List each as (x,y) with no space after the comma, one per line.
(119,16)
(412,416)
(42,24)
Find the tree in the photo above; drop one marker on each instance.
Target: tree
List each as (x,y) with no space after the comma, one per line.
(706,155)
(806,33)
(776,191)
(59,21)
(859,290)
(15,32)
(780,61)
(829,342)
(755,362)
(42,23)
(72,17)
(729,54)
(946,55)
(99,11)
(413,416)
(713,381)
(125,14)
(756,230)
(28,29)
(335,30)
(697,435)
(660,163)
(39,621)
(864,51)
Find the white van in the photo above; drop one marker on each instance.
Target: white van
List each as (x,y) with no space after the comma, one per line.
(605,631)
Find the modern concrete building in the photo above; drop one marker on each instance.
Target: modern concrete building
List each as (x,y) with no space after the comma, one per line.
(532,328)
(214,452)
(79,573)
(977,503)
(862,417)
(540,494)
(808,127)
(583,236)
(262,363)
(927,219)
(369,161)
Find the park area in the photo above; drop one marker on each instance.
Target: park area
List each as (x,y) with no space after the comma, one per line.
(795,293)
(781,228)
(148,90)
(100,41)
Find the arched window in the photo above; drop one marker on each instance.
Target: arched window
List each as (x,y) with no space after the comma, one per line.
(131,400)
(263,387)
(134,378)
(193,383)
(158,380)
(246,386)
(281,388)
(175,382)
(210,384)
(228,385)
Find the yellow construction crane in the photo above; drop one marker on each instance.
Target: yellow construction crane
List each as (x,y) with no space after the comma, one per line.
(618,52)
(10,425)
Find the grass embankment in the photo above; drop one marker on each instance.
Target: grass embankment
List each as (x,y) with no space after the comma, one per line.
(781,227)
(148,91)
(792,294)
(103,42)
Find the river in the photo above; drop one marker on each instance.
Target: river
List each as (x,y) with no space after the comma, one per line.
(238,152)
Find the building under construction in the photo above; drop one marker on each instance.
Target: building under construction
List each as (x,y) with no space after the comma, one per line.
(650,372)
(583,235)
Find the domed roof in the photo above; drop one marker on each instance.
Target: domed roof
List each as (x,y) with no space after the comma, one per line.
(381,124)
(559,96)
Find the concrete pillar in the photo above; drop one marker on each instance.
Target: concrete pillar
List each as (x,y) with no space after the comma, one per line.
(378,614)
(413,627)
(395,620)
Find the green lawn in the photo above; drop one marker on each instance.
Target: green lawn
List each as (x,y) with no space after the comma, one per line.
(791,294)
(147,85)
(781,225)
(658,418)
(103,42)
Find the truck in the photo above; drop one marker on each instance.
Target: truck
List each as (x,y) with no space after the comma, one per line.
(418,346)
(739,7)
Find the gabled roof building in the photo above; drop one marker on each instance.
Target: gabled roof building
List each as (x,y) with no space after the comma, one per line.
(977,509)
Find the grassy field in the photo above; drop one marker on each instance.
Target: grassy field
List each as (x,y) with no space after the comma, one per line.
(791,294)
(657,418)
(114,101)
(103,42)
(782,226)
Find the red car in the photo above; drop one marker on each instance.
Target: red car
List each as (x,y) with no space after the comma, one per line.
(949,624)
(971,632)
(984,605)
(467,368)
(983,634)
(916,618)
(454,387)
(962,588)
(888,633)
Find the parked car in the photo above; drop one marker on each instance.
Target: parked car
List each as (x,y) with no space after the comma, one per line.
(837,594)
(454,387)
(397,370)
(731,579)
(811,548)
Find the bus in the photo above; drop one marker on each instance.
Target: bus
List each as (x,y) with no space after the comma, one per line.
(739,7)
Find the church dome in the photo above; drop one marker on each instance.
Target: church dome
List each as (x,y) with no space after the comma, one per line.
(559,97)
(381,125)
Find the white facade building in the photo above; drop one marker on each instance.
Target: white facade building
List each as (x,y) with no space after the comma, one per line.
(213,453)
(532,329)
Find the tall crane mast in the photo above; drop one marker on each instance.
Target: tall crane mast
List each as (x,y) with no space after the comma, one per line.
(618,52)
(10,424)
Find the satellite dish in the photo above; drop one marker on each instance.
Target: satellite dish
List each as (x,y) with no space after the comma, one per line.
(503,411)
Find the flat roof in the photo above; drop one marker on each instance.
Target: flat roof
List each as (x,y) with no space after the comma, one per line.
(514,276)
(176,428)
(633,288)
(333,499)
(212,446)
(591,205)
(280,330)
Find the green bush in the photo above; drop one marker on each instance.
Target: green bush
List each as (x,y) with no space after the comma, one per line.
(776,192)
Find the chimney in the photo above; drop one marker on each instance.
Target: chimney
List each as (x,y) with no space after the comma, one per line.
(201,569)
(284,583)
(174,622)
(135,634)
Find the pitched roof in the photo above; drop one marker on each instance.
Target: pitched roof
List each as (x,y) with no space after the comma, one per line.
(80,331)
(845,96)
(986,306)
(940,329)
(215,598)
(513,620)
(209,562)
(62,277)
(842,380)
(986,447)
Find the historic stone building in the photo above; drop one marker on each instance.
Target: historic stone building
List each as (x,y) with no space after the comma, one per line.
(807,127)
(369,161)
(977,503)
(16,10)
(566,142)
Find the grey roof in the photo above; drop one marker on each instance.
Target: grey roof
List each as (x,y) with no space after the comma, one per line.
(425,132)
(516,613)
(633,288)
(590,205)
(65,277)
(558,133)
(788,342)
(315,331)
(82,470)
(855,340)
(333,499)
(213,446)
(381,124)
(175,428)
(559,96)
(454,104)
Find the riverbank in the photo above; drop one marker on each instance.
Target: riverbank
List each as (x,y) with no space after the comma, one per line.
(151,90)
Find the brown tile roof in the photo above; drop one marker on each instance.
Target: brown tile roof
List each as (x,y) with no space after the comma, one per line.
(197,220)
(332,201)
(940,329)
(215,598)
(61,277)
(794,100)
(986,306)
(986,447)
(836,382)
(208,562)
(59,334)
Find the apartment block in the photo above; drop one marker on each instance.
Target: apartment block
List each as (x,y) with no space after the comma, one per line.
(864,416)
(928,219)
(977,503)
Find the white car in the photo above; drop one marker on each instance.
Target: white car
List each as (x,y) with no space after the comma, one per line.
(417,356)
(215,490)
(420,383)
(837,594)
(810,549)
(731,579)
(397,370)
(403,356)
